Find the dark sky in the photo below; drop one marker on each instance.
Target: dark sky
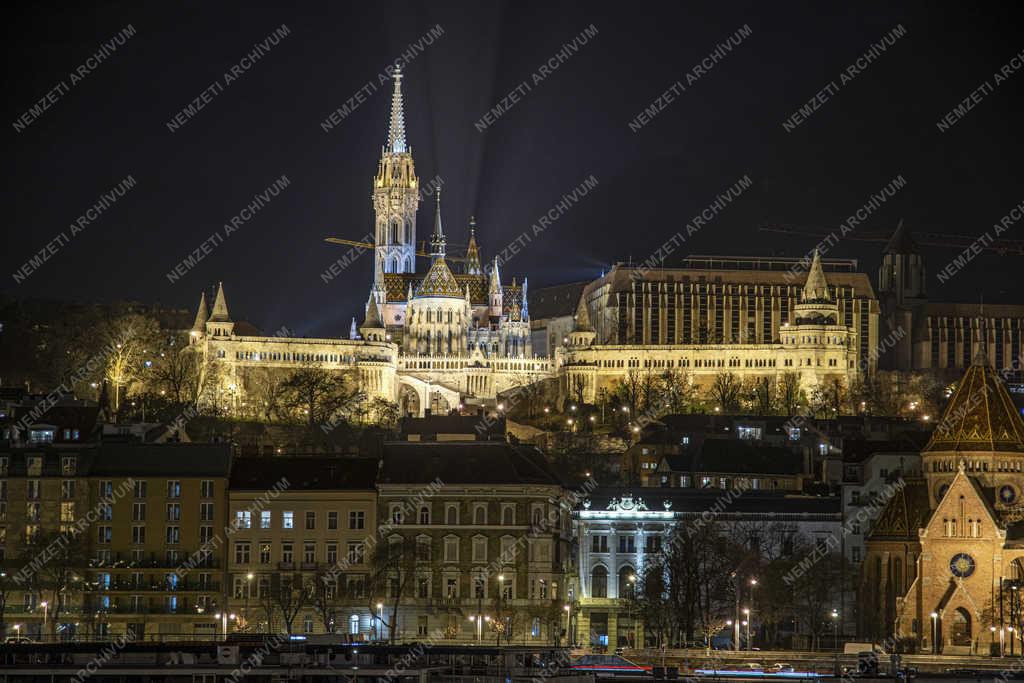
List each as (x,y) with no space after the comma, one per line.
(572,125)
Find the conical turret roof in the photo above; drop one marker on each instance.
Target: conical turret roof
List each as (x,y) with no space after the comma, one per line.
(582,318)
(816,287)
(980,416)
(372,316)
(220,307)
(473,266)
(201,315)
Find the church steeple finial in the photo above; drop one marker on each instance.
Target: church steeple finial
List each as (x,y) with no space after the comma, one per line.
(396,132)
(473,266)
(437,241)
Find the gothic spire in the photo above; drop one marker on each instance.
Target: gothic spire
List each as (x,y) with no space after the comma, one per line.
(220,307)
(437,241)
(201,315)
(472,251)
(396,132)
(526,304)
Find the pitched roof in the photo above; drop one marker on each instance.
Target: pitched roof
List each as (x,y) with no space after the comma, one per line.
(980,416)
(904,513)
(169,459)
(477,462)
(201,314)
(304,473)
(557,301)
(736,456)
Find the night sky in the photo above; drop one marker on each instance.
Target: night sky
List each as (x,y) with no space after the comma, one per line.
(572,125)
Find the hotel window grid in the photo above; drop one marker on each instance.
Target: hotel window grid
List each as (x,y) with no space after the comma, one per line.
(309,552)
(310,520)
(68,465)
(173,489)
(205,535)
(139,489)
(265,519)
(173,535)
(206,512)
(206,488)
(287,519)
(243,519)
(138,535)
(67,489)
(332,521)
(138,512)
(265,550)
(106,488)
(174,512)
(332,553)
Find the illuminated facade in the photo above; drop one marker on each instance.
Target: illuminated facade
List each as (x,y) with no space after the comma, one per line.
(457,335)
(945,560)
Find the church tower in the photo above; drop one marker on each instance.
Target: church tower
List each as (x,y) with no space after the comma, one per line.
(902,295)
(395,201)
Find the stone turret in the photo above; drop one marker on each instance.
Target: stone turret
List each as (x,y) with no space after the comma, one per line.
(220,324)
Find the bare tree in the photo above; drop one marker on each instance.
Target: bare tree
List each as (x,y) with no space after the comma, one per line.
(725,392)
(393,574)
(129,342)
(59,578)
(790,393)
(290,594)
(318,396)
(325,599)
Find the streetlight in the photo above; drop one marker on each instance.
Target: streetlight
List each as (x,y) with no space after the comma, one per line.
(380,621)
(631,628)
(568,624)
(935,629)
(746,622)
(835,629)
(46,610)
(248,590)
(753,583)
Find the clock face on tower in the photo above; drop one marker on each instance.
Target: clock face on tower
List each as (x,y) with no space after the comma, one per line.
(962,565)
(1007,494)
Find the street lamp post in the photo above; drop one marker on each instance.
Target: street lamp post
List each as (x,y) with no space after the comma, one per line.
(753,583)
(568,624)
(380,621)
(46,611)
(935,631)
(248,590)
(631,628)
(746,622)
(835,629)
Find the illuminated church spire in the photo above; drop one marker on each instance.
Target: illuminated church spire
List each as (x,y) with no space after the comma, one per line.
(396,197)
(396,133)
(437,241)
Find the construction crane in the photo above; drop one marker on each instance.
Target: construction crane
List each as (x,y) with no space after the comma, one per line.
(1003,247)
(369,245)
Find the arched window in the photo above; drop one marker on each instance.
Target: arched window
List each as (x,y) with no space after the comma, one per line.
(961,630)
(424,515)
(480,515)
(508,516)
(451,515)
(627,582)
(353,624)
(599,582)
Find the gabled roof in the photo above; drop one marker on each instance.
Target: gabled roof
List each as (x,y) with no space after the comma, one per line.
(980,416)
